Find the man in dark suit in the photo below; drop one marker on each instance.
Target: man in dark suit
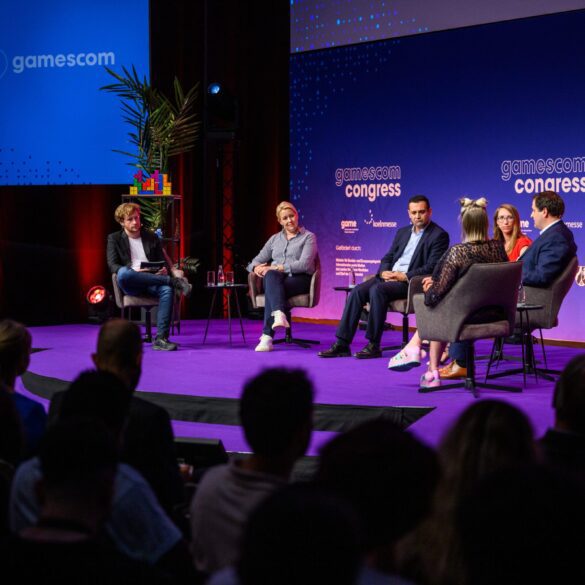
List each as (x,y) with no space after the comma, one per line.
(553,249)
(414,251)
(127,249)
(148,440)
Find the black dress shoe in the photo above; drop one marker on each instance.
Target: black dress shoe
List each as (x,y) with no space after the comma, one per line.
(372,350)
(336,350)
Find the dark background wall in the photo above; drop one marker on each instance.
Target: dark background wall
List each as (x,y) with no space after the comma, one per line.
(52,239)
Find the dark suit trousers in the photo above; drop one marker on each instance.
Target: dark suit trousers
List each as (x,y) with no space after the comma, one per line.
(378,293)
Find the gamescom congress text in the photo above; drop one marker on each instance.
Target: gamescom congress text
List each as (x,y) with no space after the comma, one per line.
(353,176)
(546,166)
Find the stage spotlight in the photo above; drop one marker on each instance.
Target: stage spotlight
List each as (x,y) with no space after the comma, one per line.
(99,304)
(96,295)
(221,108)
(214,88)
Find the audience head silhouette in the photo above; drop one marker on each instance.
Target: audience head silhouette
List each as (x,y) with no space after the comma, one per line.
(98,395)
(119,351)
(301,535)
(15,347)
(569,397)
(276,410)
(386,473)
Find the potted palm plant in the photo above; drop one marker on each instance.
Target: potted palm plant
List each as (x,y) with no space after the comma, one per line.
(160,127)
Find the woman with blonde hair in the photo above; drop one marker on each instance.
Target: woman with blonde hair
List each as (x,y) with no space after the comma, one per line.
(286,264)
(507,229)
(475,248)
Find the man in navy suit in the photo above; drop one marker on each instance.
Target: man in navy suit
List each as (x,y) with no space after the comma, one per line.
(551,251)
(415,251)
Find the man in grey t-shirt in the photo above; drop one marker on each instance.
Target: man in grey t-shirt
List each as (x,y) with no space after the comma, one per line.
(276,414)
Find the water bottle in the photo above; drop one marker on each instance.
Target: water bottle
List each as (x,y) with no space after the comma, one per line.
(351,279)
(220,276)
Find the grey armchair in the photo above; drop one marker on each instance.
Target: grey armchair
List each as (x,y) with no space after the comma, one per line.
(551,298)
(308,300)
(455,317)
(126,302)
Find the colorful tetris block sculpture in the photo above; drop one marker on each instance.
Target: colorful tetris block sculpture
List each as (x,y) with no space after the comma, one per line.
(157,184)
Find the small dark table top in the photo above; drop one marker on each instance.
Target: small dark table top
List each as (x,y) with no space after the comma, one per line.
(236,285)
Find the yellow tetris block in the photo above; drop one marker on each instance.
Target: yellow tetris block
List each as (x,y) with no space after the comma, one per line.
(166,190)
(133,191)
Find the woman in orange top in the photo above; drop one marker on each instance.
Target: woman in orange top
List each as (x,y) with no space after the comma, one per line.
(507,228)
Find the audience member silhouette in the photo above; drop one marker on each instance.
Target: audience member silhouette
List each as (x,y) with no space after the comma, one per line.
(390,478)
(300,535)
(78,460)
(276,415)
(137,525)
(488,436)
(11,447)
(523,526)
(564,445)
(148,440)
(15,348)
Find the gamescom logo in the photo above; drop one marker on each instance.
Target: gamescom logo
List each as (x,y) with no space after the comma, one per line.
(349,226)
(376,223)
(3,63)
(370,182)
(580,276)
(20,63)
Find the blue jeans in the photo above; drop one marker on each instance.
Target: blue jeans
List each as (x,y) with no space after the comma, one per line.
(152,285)
(278,286)
(458,352)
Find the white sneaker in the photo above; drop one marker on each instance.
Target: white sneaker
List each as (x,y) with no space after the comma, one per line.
(265,343)
(279,320)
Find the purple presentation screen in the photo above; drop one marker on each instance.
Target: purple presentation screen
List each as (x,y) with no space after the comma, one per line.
(494,111)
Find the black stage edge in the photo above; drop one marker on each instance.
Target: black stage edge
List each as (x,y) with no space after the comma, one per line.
(224,411)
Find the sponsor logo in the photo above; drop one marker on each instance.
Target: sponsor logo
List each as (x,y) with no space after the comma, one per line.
(349,226)
(377,223)
(580,277)
(574,225)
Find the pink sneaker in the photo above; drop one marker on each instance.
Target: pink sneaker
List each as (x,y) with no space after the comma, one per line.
(430,379)
(405,360)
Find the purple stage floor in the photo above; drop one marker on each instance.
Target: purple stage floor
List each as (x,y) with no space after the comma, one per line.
(218,369)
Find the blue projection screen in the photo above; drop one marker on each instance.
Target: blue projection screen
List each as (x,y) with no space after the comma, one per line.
(56,127)
(494,111)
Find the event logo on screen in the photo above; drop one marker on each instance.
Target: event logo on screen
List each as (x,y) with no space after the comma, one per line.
(20,63)
(369,182)
(545,174)
(3,63)
(580,276)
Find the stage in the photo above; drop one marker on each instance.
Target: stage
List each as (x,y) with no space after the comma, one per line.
(200,384)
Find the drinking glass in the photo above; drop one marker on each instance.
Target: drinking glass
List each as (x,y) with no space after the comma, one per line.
(229,278)
(211,278)
(521,295)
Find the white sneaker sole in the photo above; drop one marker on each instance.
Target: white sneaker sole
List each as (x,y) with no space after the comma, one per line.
(263,347)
